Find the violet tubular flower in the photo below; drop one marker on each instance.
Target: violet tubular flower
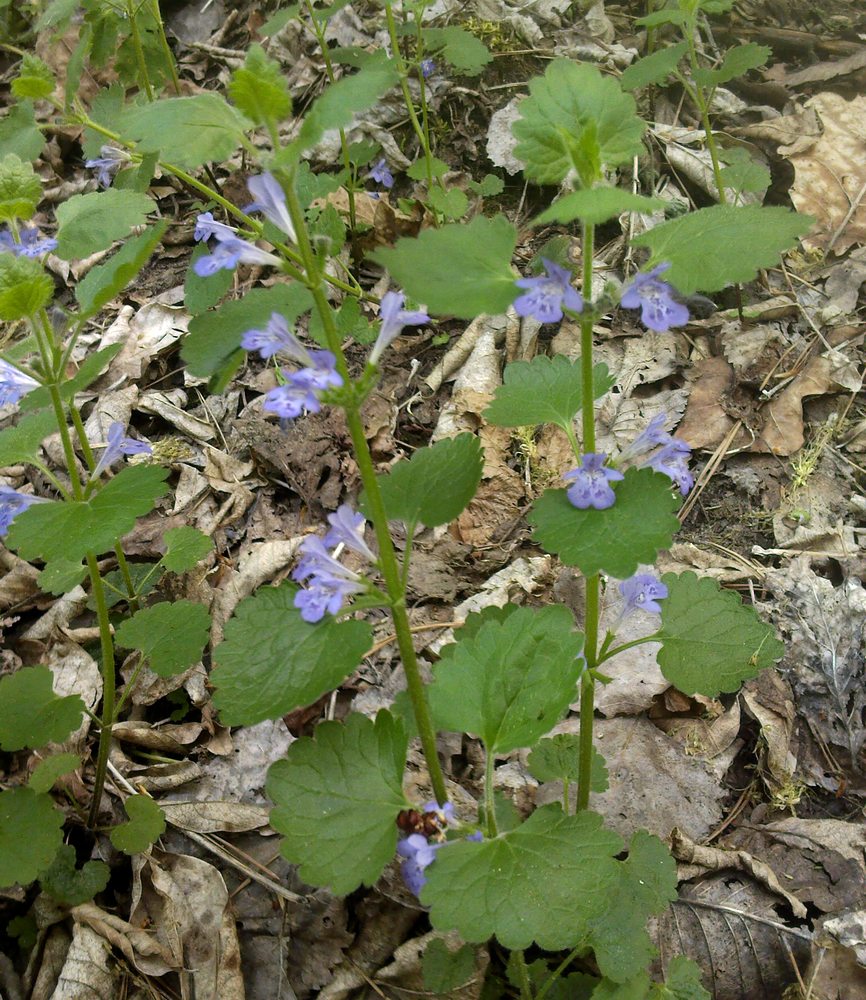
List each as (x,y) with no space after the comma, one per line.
(417,854)
(428,68)
(642,592)
(107,164)
(381,174)
(28,244)
(117,445)
(347,528)
(276,338)
(207,227)
(302,389)
(672,460)
(330,583)
(14,384)
(394,317)
(270,200)
(11,504)
(659,309)
(546,296)
(591,486)
(228,253)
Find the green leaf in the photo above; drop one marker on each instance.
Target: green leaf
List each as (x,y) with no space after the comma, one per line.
(545,882)
(435,485)
(91,222)
(738,61)
(185,547)
(682,982)
(742,173)
(34,79)
(337,797)
(655,68)
(22,442)
(31,714)
(647,883)
(721,245)
(30,835)
(612,541)
(444,970)
(186,131)
(418,170)
(659,17)
(89,370)
(597,205)
(170,636)
(558,759)
(259,88)
(215,336)
(711,641)
(19,133)
(69,530)
(278,21)
(72,886)
(452,203)
(146,824)
(144,576)
(105,281)
(200,293)
(294,663)
(490,185)
(635,989)
(51,768)
(458,47)
(543,391)
(512,681)
(573,101)
(24,288)
(20,189)
(457,270)
(61,575)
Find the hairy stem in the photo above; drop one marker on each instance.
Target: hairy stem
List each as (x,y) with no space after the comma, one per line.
(106,643)
(489,799)
(701,101)
(166,48)
(139,51)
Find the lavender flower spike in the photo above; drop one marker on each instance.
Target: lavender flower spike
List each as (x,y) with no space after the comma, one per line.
(230,252)
(642,592)
(394,317)
(591,487)
(347,527)
(381,174)
(207,227)
(270,200)
(673,462)
(276,338)
(659,310)
(107,164)
(116,445)
(546,296)
(14,384)
(11,504)
(330,582)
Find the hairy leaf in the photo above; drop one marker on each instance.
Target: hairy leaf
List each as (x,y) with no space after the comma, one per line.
(103,282)
(49,769)
(31,714)
(259,88)
(24,288)
(73,886)
(19,133)
(597,205)
(185,547)
(458,47)
(655,68)
(558,759)
(30,835)
(170,636)
(20,189)
(146,824)
(91,222)
(23,442)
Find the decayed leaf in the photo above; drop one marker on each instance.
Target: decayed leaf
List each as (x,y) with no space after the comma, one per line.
(89,969)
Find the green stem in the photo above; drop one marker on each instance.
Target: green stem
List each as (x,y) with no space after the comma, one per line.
(523,974)
(166,48)
(388,563)
(123,566)
(127,691)
(66,441)
(610,653)
(139,51)
(489,798)
(558,971)
(108,686)
(700,99)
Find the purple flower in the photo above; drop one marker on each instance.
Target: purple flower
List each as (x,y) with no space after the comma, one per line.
(547,295)
(394,317)
(108,164)
(591,483)
(652,436)
(29,243)
(302,388)
(673,461)
(206,227)
(347,528)
(11,504)
(642,592)
(417,855)
(659,310)
(229,252)
(428,68)
(116,445)
(270,200)
(276,338)
(330,581)
(381,174)
(14,384)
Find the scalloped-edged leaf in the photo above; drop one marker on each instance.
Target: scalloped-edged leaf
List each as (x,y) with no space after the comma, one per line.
(22,442)
(31,714)
(543,882)
(293,663)
(68,530)
(711,641)
(435,484)
(259,88)
(571,101)
(337,796)
(19,133)
(597,205)
(738,60)
(558,759)
(461,269)
(614,541)
(185,547)
(654,68)
(30,835)
(73,886)
(146,824)
(543,391)
(24,288)
(89,370)
(170,636)
(49,769)
(723,244)
(512,680)
(458,47)
(103,282)
(91,222)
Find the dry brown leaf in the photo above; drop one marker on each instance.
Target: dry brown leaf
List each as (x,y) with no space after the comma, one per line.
(705,423)
(89,969)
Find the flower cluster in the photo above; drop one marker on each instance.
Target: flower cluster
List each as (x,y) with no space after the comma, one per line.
(11,504)
(116,445)
(659,310)
(231,250)
(546,296)
(329,581)
(418,853)
(394,317)
(591,486)
(670,455)
(107,164)
(14,384)
(28,244)
(642,592)
(381,174)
